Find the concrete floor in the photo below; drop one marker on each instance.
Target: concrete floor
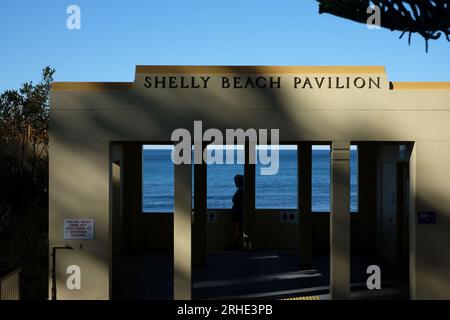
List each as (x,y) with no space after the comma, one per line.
(255,275)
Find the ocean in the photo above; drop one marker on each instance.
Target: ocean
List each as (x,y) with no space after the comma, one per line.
(277,191)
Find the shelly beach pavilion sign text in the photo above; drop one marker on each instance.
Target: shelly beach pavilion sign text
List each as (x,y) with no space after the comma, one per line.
(263,82)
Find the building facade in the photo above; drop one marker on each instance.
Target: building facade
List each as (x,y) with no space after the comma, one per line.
(97,131)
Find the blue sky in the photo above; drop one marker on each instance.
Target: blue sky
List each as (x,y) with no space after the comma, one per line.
(117,35)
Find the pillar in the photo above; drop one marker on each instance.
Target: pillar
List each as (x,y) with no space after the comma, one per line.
(133,220)
(182,222)
(412,221)
(304,171)
(340,221)
(199,250)
(249,190)
(80,173)
(116,219)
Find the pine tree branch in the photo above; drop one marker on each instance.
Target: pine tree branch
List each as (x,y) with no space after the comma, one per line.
(428,18)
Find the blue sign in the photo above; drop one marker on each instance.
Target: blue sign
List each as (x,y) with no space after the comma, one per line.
(427,217)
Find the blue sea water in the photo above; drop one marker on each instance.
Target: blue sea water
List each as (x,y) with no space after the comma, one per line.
(275,191)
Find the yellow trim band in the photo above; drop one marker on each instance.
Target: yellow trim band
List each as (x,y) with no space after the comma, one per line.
(260,69)
(420,85)
(98,86)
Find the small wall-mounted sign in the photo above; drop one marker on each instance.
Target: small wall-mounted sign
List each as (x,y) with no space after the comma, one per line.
(288,217)
(427,217)
(212,217)
(78,229)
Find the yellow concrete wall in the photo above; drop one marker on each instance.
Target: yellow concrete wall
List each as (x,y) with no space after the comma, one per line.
(85,118)
(79,188)
(432,242)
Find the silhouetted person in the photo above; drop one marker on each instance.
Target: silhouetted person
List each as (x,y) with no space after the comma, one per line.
(238,211)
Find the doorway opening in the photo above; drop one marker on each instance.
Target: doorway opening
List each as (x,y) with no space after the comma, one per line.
(141,222)
(385,204)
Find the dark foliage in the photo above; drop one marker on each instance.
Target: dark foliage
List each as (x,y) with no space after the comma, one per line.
(24,181)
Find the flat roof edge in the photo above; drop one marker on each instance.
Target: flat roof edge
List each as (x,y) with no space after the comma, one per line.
(99,86)
(419,85)
(259,69)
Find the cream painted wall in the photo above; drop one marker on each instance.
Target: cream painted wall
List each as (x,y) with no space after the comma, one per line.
(79,188)
(83,122)
(432,242)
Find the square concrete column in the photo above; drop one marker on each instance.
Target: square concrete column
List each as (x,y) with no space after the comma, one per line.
(249,190)
(182,223)
(340,221)
(80,188)
(199,249)
(133,219)
(304,171)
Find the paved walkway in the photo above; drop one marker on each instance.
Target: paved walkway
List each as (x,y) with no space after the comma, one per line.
(255,275)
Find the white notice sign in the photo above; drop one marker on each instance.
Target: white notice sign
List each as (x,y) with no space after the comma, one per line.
(78,229)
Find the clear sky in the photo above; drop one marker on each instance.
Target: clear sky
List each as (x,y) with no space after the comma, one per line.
(117,35)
